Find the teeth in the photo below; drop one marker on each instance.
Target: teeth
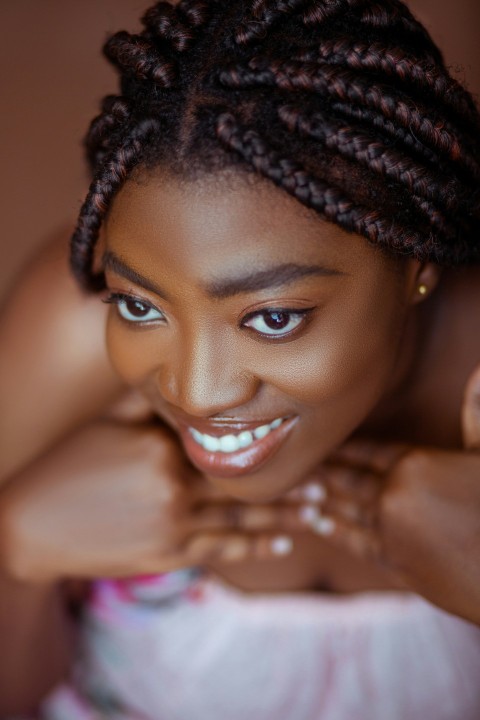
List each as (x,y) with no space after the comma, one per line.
(233,443)
(197,436)
(212,444)
(245,439)
(262,431)
(229,443)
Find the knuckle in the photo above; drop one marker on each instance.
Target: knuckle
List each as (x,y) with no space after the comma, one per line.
(202,547)
(401,501)
(234,516)
(405,479)
(412,466)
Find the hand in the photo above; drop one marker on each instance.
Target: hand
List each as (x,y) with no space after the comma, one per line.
(118,500)
(414,511)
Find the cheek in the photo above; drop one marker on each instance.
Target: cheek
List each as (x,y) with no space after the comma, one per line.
(351,352)
(132,352)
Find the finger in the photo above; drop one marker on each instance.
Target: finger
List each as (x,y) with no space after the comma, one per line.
(373,456)
(248,518)
(311,516)
(471,412)
(311,491)
(205,548)
(351,483)
(359,541)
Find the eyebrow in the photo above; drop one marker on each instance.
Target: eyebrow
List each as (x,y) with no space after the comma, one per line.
(274,277)
(112,262)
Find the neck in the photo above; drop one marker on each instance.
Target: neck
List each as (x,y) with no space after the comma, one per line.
(389,419)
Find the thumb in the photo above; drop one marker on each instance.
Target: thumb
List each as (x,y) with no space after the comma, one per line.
(471,412)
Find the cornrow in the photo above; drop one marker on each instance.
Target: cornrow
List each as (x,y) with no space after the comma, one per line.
(416,131)
(374,153)
(364,123)
(325,79)
(328,200)
(425,185)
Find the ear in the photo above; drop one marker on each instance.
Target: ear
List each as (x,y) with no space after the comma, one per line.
(424,278)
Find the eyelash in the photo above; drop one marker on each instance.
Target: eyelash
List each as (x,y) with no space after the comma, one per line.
(119,299)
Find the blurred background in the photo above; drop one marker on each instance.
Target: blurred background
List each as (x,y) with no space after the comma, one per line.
(52,76)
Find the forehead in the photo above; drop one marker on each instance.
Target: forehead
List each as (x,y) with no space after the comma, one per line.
(228,220)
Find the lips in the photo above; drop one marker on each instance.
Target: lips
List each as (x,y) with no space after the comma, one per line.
(221,453)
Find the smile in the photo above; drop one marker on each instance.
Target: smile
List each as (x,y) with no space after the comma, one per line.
(231,455)
(233,443)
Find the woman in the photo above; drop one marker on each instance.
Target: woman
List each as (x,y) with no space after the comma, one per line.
(279,206)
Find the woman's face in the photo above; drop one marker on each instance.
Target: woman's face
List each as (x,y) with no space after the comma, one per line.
(263,335)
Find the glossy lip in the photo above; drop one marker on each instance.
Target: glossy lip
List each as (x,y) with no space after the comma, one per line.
(244,461)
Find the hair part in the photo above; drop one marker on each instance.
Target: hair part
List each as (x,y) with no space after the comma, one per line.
(345,104)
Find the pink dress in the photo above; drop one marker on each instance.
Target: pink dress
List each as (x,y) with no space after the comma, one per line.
(186,647)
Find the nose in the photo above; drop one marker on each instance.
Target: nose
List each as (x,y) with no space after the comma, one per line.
(206,377)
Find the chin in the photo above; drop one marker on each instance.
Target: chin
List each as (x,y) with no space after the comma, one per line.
(263,486)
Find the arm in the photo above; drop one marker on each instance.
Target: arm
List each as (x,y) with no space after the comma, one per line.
(416,511)
(51,381)
(82,497)
(54,371)
(36,643)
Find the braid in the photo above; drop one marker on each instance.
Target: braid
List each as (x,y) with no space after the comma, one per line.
(327,200)
(381,140)
(136,56)
(411,128)
(113,172)
(104,129)
(325,79)
(374,153)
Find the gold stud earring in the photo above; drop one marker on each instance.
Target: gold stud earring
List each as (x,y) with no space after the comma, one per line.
(422,289)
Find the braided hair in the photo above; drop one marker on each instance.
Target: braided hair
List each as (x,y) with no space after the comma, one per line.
(345,104)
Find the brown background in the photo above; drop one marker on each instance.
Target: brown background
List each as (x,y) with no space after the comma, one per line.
(52,76)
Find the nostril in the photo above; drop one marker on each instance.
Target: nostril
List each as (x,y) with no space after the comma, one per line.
(205,394)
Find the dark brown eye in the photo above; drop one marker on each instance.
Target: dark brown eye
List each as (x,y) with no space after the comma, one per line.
(275,323)
(276,320)
(134,310)
(137,308)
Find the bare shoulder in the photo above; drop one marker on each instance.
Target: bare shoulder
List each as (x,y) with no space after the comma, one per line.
(54,371)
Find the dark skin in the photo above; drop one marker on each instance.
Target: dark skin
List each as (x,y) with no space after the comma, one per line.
(85,496)
(396,344)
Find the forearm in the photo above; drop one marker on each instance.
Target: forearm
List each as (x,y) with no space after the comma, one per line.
(36,643)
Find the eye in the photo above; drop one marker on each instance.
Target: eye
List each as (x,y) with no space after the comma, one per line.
(134,310)
(275,323)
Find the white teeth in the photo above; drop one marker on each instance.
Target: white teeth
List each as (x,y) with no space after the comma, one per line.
(233,443)
(261,432)
(212,444)
(197,436)
(245,439)
(229,443)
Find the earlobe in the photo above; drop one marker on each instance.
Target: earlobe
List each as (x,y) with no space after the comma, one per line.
(425,280)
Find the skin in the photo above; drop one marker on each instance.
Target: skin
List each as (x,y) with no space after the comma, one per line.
(87,497)
(186,238)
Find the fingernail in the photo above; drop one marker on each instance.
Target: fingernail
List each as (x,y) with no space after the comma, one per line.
(324,526)
(309,514)
(282,545)
(314,492)
(234,551)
